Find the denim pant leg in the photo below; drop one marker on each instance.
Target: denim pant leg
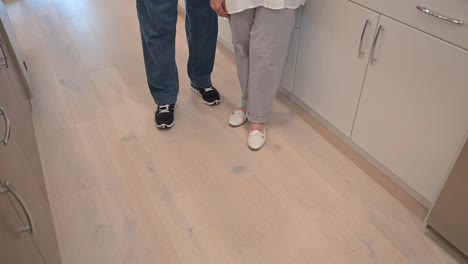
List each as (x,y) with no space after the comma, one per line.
(158,20)
(201,27)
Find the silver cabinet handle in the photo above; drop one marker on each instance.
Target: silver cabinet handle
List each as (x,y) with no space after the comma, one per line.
(5,60)
(363,34)
(6,137)
(374,44)
(7,188)
(432,13)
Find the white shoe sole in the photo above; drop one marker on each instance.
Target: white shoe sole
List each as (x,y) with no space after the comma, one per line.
(236,125)
(216,102)
(256,148)
(162,126)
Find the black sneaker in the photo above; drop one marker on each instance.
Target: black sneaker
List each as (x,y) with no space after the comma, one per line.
(164,116)
(210,95)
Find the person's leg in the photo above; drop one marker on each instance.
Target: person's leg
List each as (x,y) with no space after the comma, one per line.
(269,43)
(241,24)
(158,20)
(201,26)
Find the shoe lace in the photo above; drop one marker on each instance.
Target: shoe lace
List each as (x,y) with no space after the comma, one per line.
(208,89)
(163,109)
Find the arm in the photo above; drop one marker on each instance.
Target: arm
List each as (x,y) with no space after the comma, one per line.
(219,6)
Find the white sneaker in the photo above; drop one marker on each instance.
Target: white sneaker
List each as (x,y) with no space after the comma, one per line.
(256,139)
(237,118)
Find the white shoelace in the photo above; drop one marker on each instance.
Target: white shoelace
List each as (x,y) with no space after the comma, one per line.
(164,109)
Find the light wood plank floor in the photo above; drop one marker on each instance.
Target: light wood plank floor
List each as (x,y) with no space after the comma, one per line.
(123,192)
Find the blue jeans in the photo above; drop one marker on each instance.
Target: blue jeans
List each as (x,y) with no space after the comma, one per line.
(158,20)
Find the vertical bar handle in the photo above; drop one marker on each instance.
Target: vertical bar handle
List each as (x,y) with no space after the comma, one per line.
(363,34)
(5,60)
(376,39)
(6,136)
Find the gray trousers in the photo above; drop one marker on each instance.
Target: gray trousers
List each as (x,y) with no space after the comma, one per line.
(261,39)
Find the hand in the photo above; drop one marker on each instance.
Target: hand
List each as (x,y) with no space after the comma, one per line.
(219,6)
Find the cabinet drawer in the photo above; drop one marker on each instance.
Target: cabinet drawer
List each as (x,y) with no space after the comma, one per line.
(406,12)
(15,247)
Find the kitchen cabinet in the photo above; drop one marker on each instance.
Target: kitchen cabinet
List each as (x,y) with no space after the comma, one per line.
(21,93)
(400,102)
(15,246)
(15,169)
(333,51)
(21,178)
(412,115)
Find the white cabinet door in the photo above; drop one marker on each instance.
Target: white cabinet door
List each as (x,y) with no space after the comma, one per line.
(413,114)
(330,71)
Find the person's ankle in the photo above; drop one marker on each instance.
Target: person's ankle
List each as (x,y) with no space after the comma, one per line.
(243,109)
(257,126)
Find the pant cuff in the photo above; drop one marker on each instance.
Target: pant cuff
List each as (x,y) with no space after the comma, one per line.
(202,82)
(257,119)
(164,101)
